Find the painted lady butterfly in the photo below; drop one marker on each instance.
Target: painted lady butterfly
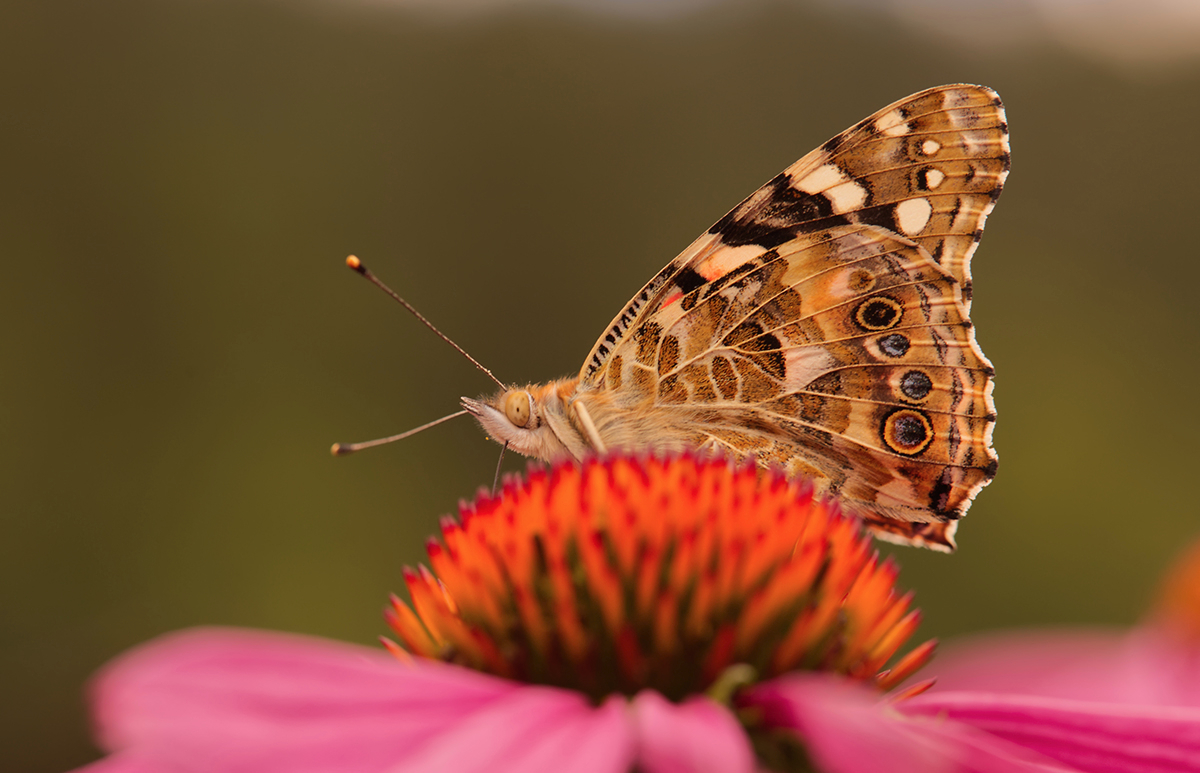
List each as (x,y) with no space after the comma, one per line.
(821,326)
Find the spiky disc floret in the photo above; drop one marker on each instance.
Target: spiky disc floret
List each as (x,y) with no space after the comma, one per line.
(629,573)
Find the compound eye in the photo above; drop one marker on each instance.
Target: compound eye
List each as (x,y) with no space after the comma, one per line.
(516,408)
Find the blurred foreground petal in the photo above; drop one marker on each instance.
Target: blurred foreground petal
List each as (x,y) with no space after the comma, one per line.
(850,730)
(1087,736)
(126,763)
(534,730)
(278,702)
(696,736)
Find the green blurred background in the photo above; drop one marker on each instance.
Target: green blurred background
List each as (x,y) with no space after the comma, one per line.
(181,341)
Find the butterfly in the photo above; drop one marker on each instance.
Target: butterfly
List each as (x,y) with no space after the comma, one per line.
(822,326)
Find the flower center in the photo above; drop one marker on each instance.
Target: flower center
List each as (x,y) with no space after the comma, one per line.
(631,573)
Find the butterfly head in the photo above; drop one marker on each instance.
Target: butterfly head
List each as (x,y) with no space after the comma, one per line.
(521,418)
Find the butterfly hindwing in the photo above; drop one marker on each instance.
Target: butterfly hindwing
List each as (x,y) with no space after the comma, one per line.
(822,325)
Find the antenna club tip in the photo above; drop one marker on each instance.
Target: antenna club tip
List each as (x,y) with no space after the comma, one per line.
(337,449)
(353,262)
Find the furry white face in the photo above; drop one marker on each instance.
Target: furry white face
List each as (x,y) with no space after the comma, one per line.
(516,419)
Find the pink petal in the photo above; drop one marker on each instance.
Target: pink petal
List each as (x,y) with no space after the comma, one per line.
(1142,667)
(223,701)
(696,736)
(125,763)
(1104,738)
(846,728)
(533,730)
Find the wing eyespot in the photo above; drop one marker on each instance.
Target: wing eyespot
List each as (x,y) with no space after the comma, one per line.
(894,345)
(906,431)
(916,385)
(881,312)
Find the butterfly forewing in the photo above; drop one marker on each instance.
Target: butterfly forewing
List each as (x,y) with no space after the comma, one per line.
(929,167)
(822,324)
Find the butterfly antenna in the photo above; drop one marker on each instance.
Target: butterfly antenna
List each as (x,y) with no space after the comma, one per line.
(341,449)
(357,265)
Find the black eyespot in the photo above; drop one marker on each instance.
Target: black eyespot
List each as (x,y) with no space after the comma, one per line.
(909,431)
(878,313)
(906,431)
(916,385)
(894,345)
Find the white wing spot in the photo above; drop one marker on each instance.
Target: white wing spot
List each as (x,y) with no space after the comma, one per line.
(933,178)
(892,124)
(726,259)
(821,178)
(929,147)
(846,197)
(912,215)
(843,193)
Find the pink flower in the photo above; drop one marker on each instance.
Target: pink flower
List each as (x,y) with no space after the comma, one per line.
(664,616)
(1092,700)
(228,700)
(1155,664)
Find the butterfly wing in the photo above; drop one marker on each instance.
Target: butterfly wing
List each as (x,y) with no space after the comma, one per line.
(822,325)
